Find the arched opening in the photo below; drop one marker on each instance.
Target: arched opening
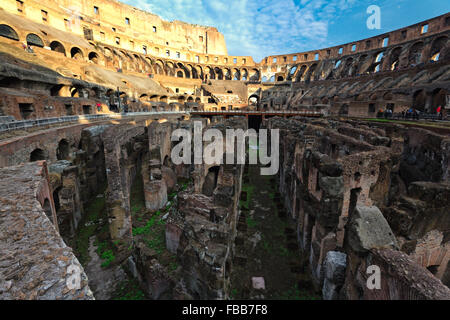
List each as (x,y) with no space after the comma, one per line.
(254,75)
(37,155)
(253,101)
(74,93)
(310,74)
(93,57)
(57,47)
(219,73)
(395,58)
(437,47)
(210,183)
(439,99)
(87,109)
(63,151)
(34,40)
(415,54)
(76,53)
(227,74)
(280,78)
(8,32)
(236,74)
(244,75)
(300,73)
(419,100)
(26,110)
(180,74)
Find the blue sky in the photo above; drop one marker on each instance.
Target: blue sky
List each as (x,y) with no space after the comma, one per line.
(261,28)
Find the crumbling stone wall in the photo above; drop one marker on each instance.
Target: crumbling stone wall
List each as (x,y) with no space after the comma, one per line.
(329,168)
(38,266)
(203,229)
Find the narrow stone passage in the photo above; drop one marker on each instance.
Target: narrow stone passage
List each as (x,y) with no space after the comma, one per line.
(266,245)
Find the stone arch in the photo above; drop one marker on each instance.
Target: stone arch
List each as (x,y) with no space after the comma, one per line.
(415,53)
(159,67)
(394,58)
(34,40)
(209,73)
(348,68)
(236,74)
(76,53)
(244,75)
(38,154)
(438,47)
(63,150)
(74,92)
(57,47)
(254,75)
(170,69)
(299,74)
(359,68)
(439,98)
(186,71)
(227,74)
(94,57)
(193,71)
(310,74)
(180,74)
(219,73)
(253,100)
(419,100)
(8,32)
(292,72)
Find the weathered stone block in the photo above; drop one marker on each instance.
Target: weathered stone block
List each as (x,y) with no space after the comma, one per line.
(368,229)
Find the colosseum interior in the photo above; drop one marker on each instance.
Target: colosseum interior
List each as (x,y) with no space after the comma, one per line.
(92,205)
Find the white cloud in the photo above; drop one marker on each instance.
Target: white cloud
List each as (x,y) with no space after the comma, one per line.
(256,27)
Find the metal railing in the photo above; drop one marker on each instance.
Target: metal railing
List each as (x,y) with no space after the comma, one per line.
(26,124)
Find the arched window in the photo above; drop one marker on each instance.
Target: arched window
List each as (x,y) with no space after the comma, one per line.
(58,47)
(8,32)
(76,53)
(93,57)
(63,151)
(34,40)
(37,155)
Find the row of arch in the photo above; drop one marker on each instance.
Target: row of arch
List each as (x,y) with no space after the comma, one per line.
(124,60)
(352,66)
(391,60)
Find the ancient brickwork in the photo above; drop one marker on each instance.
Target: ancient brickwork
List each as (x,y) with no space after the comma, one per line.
(37,266)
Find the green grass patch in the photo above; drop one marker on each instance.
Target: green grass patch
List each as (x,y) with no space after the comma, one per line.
(129,290)
(251,223)
(295,293)
(88,226)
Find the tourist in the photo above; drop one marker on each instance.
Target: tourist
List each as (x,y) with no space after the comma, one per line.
(439,112)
